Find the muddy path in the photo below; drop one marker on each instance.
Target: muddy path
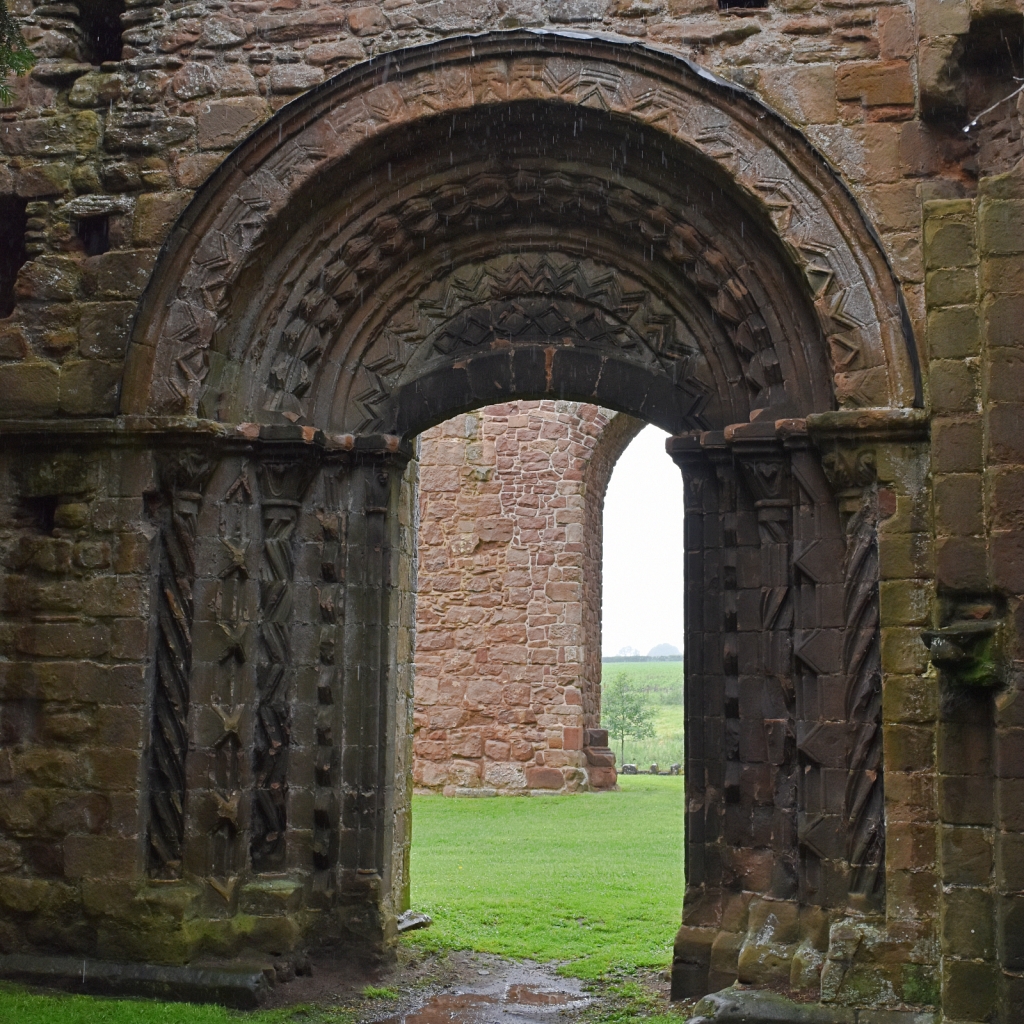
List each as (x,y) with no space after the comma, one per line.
(462,987)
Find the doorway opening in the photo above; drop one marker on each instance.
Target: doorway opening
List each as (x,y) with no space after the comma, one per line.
(507,700)
(642,609)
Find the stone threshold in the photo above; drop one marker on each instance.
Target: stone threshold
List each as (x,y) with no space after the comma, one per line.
(242,989)
(756,1006)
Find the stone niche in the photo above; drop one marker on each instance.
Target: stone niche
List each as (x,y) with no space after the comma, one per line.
(508,615)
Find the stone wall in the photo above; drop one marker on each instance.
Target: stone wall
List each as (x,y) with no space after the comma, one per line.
(879,872)
(508,650)
(98,157)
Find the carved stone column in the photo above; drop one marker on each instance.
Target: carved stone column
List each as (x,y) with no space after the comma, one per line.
(283,476)
(851,472)
(366,701)
(183,477)
(768,746)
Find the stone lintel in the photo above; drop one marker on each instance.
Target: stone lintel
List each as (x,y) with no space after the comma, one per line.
(160,431)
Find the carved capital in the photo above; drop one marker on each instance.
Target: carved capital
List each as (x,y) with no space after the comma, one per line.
(849,468)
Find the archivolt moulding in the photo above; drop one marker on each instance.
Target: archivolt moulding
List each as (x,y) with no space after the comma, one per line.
(293,260)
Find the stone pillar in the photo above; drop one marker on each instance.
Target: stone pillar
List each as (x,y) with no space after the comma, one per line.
(182,480)
(509,628)
(703,695)
(366,719)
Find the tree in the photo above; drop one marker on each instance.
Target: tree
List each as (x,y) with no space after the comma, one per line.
(14,52)
(626,710)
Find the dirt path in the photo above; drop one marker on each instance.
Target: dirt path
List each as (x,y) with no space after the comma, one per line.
(464,988)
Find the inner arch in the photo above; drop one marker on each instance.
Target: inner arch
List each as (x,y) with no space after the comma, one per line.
(363,287)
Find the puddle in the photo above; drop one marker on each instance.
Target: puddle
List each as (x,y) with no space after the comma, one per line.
(515,1002)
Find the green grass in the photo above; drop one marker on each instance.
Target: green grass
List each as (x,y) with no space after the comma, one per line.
(375,992)
(17,1006)
(663,680)
(592,879)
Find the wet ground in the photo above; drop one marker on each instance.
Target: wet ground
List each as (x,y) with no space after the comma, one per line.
(459,988)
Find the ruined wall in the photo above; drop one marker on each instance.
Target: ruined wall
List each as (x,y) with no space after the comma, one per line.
(508,655)
(101,149)
(103,145)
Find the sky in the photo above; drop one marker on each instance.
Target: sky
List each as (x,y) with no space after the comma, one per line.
(643,549)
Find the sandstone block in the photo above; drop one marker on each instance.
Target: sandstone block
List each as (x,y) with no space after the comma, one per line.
(1003,321)
(139,132)
(1008,561)
(949,243)
(951,287)
(881,83)
(118,274)
(958,504)
(804,95)
(155,212)
(49,277)
(340,51)
(193,81)
(29,390)
(1001,226)
(1005,437)
(88,387)
(100,856)
(221,32)
(300,24)
(96,90)
(366,21)
(103,329)
(544,778)
(961,562)
(897,36)
(60,134)
(286,79)
(943,17)
(968,990)
(957,445)
(224,123)
(954,386)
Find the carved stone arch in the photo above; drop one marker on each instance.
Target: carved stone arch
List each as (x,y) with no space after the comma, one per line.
(528,215)
(277,276)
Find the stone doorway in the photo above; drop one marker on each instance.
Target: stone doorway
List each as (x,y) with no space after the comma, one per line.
(516,216)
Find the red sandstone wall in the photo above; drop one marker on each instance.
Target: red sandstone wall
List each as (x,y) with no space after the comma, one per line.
(508,655)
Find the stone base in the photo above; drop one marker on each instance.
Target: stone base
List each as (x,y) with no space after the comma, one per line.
(753,1006)
(240,989)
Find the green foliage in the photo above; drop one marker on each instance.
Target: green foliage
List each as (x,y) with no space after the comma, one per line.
(383,992)
(595,879)
(626,710)
(15,56)
(662,680)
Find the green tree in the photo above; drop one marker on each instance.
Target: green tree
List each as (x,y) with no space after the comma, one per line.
(626,710)
(14,52)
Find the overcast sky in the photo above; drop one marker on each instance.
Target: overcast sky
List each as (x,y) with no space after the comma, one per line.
(643,549)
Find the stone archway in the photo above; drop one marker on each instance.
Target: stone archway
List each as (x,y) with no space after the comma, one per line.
(514,215)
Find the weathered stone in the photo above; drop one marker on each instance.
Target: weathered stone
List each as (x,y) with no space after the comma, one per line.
(223,123)
(57,135)
(879,84)
(292,78)
(145,132)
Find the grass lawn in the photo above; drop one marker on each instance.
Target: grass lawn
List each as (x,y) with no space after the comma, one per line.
(592,879)
(18,1007)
